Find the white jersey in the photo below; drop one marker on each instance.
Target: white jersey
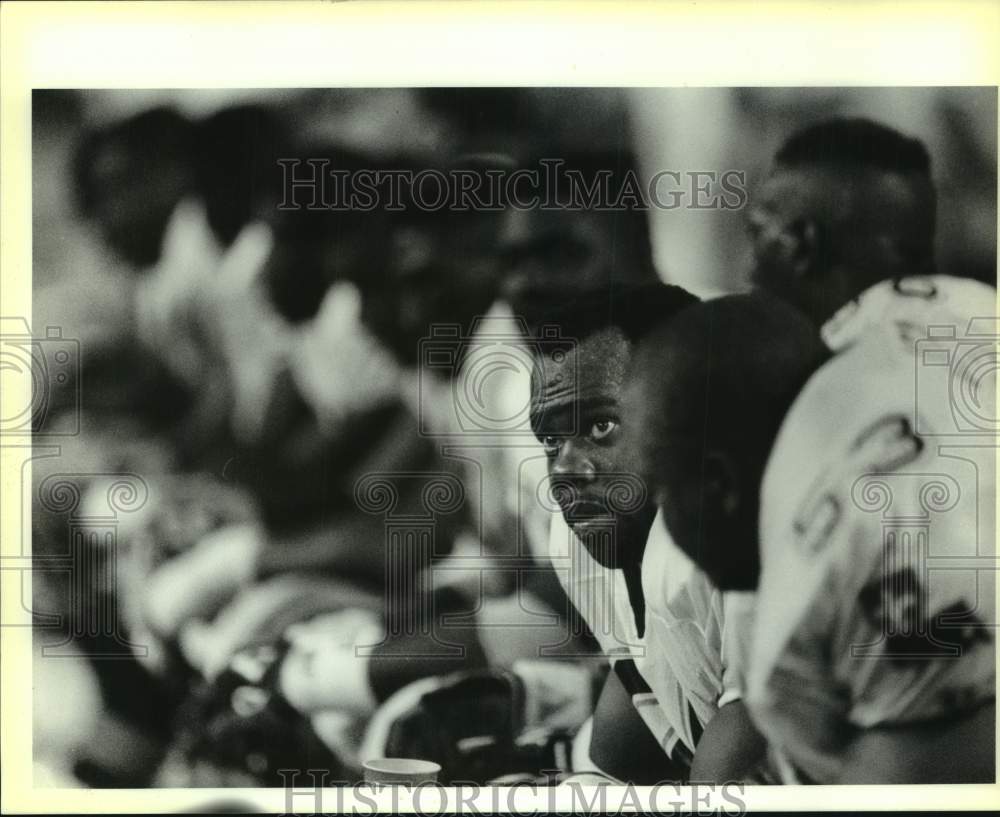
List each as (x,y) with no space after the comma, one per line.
(912,305)
(876,602)
(680,654)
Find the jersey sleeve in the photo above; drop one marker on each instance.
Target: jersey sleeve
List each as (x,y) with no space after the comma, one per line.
(876,605)
(790,691)
(737,632)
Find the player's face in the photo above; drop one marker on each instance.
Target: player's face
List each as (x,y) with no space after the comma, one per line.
(789,225)
(559,250)
(772,246)
(576,415)
(133,216)
(444,270)
(817,232)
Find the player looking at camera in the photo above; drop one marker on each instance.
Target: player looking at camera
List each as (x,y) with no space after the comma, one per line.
(666,655)
(861,515)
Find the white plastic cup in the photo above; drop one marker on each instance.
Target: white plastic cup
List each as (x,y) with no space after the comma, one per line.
(400,771)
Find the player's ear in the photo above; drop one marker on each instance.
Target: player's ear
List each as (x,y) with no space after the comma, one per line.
(720,482)
(905,255)
(805,247)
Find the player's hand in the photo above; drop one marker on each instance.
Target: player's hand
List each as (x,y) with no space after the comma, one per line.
(340,368)
(169,297)
(323,670)
(249,334)
(197,583)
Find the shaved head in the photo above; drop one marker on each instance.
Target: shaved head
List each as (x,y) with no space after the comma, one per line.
(849,203)
(710,388)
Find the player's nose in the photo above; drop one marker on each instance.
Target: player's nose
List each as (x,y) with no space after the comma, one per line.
(572,464)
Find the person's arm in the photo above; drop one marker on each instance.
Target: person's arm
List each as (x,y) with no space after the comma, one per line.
(404,658)
(621,744)
(730,748)
(944,751)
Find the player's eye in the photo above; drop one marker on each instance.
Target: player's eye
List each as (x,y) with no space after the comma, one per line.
(550,444)
(602,428)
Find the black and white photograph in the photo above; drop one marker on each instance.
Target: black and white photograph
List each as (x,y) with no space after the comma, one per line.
(570,439)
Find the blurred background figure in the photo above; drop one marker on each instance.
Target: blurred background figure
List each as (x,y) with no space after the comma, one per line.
(707,129)
(247,365)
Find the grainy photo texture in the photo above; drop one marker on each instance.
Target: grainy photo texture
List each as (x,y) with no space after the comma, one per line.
(480,436)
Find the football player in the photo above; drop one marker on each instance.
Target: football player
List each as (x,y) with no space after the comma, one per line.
(658,619)
(860,507)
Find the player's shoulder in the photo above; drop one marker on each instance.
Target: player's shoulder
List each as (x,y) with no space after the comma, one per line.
(841,405)
(918,300)
(879,406)
(671,582)
(851,417)
(909,305)
(891,377)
